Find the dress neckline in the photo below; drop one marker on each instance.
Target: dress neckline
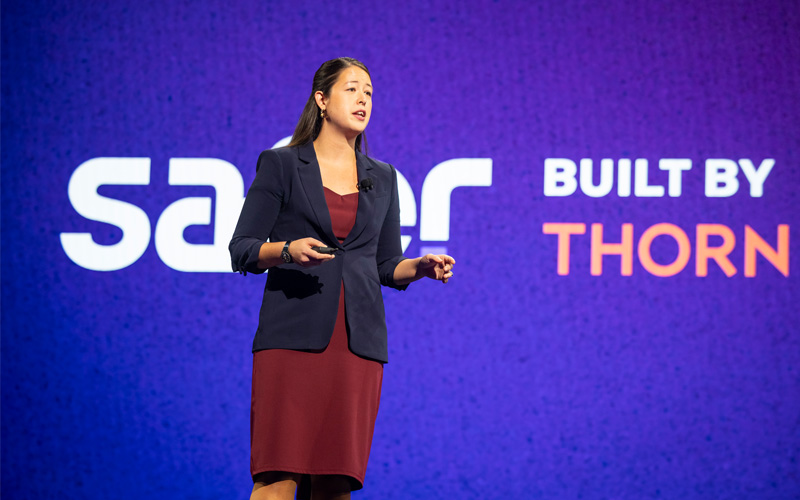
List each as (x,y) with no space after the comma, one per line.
(337,194)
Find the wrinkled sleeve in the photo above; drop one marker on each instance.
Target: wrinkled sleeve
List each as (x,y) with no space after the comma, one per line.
(259,213)
(390,249)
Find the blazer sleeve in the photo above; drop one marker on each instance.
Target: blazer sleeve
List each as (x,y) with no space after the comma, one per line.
(260,211)
(390,249)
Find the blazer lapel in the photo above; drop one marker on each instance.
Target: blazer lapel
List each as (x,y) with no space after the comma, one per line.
(366,199)
(312,185)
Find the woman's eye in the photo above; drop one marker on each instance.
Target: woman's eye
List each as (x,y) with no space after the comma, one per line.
(369,94)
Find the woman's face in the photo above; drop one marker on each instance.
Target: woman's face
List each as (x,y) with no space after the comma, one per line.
(349,104)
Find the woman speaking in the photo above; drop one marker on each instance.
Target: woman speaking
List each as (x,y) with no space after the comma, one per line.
(325,220)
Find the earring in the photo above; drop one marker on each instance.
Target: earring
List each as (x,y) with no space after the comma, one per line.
(322,113)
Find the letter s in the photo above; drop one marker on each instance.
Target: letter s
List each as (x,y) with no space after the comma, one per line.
(132,220)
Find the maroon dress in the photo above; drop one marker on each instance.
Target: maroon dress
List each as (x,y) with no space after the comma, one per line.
(314,412)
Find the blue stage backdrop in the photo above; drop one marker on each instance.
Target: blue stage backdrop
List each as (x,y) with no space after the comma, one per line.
(616,180)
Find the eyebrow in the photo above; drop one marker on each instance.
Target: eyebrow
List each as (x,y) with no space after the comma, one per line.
(356,81)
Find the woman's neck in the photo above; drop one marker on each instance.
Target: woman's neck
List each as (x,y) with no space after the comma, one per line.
(332,145)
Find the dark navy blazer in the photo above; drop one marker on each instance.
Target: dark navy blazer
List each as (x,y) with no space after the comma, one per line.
(286,202)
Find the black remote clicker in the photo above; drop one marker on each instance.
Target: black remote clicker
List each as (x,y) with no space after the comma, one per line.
(328,250)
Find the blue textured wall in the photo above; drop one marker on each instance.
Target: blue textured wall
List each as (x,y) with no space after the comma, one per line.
(511,381)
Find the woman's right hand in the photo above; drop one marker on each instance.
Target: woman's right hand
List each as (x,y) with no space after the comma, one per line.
(303,255)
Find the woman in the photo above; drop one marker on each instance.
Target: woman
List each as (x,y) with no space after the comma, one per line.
(325,219)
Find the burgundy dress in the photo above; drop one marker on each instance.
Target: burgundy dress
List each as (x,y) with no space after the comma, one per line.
(314,412)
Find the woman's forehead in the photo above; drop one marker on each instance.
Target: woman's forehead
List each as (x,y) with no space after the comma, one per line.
(354,74)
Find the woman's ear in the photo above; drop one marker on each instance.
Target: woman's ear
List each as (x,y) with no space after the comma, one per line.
(320,98)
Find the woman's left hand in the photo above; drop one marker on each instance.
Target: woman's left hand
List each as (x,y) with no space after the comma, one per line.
(437,267)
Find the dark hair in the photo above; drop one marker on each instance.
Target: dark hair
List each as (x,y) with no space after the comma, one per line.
(310,122)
